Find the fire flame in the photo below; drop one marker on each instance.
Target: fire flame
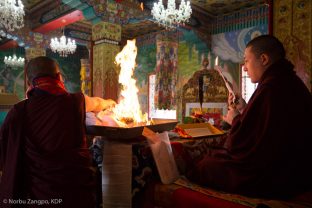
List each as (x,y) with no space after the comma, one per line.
(128,107)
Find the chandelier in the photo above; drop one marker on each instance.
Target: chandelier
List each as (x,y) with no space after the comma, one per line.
(14,61)
(11,14)
(63,46)
(170,18)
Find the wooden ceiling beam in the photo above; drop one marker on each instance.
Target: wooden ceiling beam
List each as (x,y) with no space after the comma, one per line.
(60,22)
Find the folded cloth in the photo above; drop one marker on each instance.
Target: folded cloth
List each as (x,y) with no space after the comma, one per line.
(91,119)
(107,119)
(100,119)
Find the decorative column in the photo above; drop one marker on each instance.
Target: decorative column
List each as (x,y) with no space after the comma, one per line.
(116,166)
(166,71)
(292,25)
(106,37)
(85,76)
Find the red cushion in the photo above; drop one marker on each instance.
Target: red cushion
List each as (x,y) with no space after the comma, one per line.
(184,197)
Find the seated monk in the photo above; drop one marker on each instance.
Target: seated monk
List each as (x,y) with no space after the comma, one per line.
(43,151)
(268,148)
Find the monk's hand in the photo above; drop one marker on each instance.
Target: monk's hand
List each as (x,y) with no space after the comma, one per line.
(238,102)
(108,104)
(230,99)
(231,114)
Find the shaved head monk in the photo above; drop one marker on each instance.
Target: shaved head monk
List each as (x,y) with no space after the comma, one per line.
(43,151)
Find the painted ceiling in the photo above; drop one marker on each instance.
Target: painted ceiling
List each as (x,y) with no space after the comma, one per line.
(219,7)
(76,17)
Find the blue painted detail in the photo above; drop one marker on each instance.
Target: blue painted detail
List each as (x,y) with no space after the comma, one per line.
(82,6)
(68,2)
(75,4)
(89,13)
(87,10)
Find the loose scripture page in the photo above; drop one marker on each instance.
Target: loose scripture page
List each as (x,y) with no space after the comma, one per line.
(163,156)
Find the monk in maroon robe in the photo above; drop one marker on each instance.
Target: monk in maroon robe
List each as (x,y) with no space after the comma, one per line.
(43,153)
(268,151)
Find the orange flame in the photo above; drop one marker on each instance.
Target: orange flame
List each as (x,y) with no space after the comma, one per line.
(142,6)
(128,106)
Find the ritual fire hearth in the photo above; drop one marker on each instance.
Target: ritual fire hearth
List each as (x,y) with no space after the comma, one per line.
(126,119)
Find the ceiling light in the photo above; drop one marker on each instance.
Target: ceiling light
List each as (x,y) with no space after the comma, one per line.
(14,61)
(11,14)
(63,46)
(170,18)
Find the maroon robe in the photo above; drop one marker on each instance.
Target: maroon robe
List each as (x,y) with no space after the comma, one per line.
(43,152)
(268,152)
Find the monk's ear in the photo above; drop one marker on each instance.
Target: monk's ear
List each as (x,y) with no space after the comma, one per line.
(265,59)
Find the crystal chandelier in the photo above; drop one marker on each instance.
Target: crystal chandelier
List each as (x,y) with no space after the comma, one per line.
(11,14)
(63,46)
(170,18)
(14,61)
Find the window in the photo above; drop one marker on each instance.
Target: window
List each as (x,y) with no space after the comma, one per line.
(248,87)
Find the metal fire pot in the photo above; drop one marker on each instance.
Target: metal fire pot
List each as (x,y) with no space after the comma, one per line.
(128,133)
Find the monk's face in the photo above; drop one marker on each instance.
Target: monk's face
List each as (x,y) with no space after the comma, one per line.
(254,65)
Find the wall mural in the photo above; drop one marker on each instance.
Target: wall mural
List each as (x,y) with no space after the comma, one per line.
(190,51)
(230,46)
(190,48)
(166,73)
(146,62)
